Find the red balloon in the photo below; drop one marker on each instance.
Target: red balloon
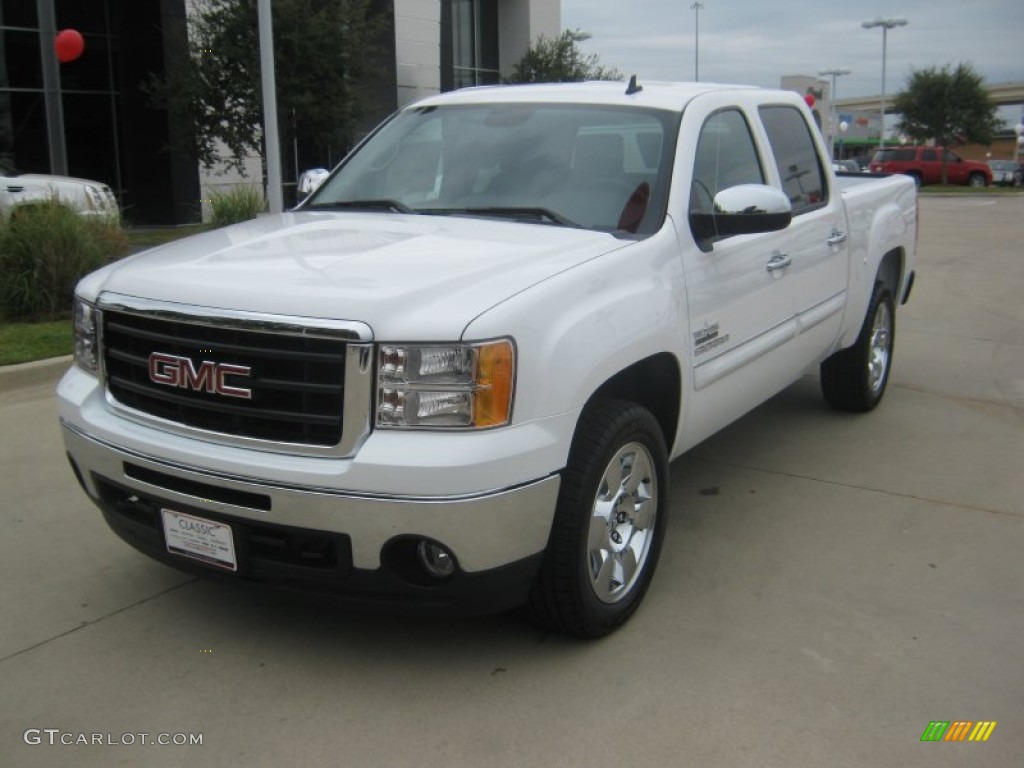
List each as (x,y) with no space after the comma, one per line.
(69,45)
(809,98)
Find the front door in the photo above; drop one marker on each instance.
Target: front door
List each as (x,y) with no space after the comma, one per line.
(740,309)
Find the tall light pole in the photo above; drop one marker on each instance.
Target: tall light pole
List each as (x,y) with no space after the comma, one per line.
(271,137)
(697,7)
(833,121)
(886,24)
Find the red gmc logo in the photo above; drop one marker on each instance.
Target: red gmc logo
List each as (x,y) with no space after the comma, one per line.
(173,371)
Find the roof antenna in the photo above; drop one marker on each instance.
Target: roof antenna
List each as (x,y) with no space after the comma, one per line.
(633,87)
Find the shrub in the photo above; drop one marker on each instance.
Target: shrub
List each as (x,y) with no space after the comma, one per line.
(44,251)
(240,204)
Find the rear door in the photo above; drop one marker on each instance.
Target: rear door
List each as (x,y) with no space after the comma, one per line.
(817,240)
(956,168)
(931,166)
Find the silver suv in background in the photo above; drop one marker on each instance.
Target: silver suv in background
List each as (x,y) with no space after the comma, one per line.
(1006,173)
(88,198)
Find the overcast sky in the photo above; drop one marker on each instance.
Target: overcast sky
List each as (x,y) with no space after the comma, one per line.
(756,42)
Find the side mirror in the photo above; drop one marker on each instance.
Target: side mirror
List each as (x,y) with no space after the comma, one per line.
(745,209)
(310,180)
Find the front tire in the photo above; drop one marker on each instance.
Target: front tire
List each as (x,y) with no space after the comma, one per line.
(855,379)
(976,180)
(609,522)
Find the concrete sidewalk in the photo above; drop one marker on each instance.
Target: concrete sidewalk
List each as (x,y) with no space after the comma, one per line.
(22,375)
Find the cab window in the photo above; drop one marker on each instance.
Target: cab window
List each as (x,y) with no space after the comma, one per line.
(797,159)
(726,157)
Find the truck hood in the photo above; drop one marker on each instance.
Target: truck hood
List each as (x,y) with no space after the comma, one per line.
(409,277)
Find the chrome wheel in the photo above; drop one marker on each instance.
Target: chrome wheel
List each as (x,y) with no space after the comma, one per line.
(622,523)
(854,379)
(609,524)
(880,348)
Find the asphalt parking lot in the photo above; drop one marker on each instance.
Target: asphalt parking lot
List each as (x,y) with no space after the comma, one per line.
(830,585)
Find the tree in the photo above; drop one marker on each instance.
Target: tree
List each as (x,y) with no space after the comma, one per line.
(947,105)
(559,60)
(324,51)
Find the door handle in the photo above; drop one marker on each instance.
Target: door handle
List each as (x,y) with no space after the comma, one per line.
(778,261)
(836,238)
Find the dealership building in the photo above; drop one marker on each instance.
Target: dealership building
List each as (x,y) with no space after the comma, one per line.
(91,118)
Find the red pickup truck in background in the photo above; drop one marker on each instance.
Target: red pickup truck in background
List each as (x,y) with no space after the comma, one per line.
(924,165)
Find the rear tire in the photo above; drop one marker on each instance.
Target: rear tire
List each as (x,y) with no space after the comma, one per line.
(609,523)
(855,379)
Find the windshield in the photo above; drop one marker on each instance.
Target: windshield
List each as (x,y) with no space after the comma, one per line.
(601,168)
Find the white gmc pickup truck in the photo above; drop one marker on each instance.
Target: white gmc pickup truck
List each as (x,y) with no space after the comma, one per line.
(454,377)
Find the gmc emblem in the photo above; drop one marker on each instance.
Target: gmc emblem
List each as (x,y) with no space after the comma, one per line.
(173,371)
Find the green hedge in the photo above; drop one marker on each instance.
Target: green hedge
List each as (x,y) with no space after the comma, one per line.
(240,204)
(44,251)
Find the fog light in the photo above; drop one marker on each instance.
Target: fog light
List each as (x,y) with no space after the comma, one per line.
(435,559)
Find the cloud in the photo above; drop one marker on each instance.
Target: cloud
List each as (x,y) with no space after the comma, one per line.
(756,42)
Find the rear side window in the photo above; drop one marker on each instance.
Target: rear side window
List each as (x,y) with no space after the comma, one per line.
(796,158)
(929,155)
(895,155)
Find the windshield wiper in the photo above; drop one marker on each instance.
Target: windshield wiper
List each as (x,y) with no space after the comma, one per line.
(511,212)
(394,206)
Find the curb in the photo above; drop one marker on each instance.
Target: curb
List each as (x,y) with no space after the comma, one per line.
(33,374)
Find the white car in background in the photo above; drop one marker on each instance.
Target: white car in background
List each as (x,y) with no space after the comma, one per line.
(1006,173)
(845,166)
(88,198)
(310,180)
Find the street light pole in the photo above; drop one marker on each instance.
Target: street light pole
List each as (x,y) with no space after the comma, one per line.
(833,120)
(697,7)
(271,137)
(886,24)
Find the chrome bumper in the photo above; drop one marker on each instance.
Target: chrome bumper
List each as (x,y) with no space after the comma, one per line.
(484,530)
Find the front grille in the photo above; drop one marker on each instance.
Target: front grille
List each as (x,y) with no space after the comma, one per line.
(297,382)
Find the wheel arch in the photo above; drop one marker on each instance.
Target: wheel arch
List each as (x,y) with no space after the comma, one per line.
(890,271)
(654,383)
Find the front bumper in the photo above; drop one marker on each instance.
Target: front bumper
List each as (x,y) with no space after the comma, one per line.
(357,546)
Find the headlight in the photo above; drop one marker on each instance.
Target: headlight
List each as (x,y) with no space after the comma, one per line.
(95,198)
(86,336)
(100,199)
(466,386)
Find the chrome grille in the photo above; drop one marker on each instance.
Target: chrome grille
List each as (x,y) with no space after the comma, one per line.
(297,380)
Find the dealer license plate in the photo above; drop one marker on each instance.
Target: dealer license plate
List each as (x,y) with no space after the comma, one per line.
(199,538)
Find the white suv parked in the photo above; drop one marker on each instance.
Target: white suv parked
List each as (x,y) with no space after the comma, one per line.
(88,198)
